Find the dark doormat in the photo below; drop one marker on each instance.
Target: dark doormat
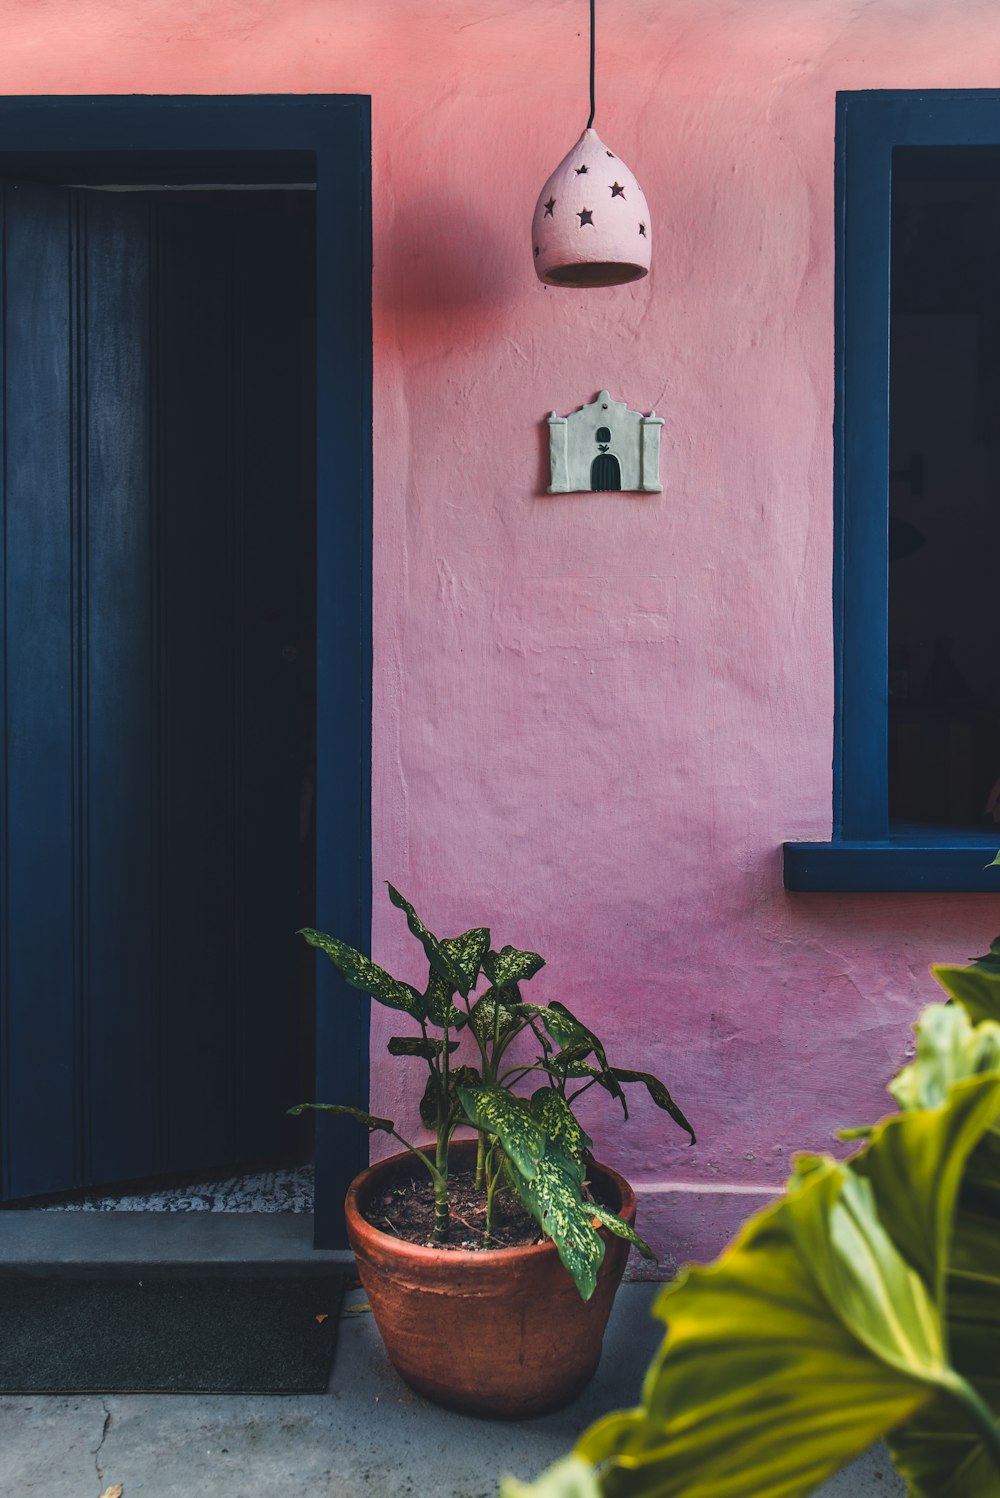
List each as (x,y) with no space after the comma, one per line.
(184,1334)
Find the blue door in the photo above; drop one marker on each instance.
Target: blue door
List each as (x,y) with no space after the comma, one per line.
(158,399)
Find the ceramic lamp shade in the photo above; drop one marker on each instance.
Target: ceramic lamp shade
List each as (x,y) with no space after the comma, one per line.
(591,225)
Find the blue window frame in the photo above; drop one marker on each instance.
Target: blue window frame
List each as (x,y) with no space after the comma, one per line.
(866,851)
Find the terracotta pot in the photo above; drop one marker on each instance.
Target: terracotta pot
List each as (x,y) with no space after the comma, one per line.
(499,1332)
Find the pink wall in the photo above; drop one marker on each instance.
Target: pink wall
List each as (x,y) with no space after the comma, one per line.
(597,717)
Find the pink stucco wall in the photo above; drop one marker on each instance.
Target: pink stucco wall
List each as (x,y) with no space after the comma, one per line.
(597,717)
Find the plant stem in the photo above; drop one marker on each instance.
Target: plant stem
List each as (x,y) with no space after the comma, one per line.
(980,1413)
(481,1163)
(421,1156)
(491,1186)
(444,1131)
(441,1188)
(518,1071)
(581,1091)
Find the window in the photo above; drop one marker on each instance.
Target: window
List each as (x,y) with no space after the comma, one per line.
(917,492)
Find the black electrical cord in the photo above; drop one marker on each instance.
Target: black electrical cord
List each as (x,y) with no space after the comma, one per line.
(591,120)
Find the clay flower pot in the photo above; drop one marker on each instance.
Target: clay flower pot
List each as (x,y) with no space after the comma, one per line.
(499,1332)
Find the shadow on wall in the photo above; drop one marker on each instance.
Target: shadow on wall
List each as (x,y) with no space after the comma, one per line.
(441,258)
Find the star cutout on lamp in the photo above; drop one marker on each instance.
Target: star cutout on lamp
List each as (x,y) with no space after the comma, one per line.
(642,230)
(581,170)
(586,216)
(617,191)
(549,207)
(610,153)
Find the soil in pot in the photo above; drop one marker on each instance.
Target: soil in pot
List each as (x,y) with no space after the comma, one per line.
(406,1209)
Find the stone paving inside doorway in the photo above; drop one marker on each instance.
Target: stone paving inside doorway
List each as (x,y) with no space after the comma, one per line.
(288,1190)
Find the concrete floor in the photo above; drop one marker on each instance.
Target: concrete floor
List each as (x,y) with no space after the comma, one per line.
(367,1437)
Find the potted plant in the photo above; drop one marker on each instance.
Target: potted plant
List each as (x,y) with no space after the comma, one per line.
(474,1322)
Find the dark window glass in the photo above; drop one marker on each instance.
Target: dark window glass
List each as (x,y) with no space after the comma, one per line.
(944,488)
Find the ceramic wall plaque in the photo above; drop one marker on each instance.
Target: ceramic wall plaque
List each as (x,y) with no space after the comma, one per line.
(605,447)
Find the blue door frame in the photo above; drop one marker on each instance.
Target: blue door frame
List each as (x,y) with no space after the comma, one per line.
(324,139)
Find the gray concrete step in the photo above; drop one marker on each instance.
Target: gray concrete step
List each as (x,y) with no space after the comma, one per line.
(238,1242)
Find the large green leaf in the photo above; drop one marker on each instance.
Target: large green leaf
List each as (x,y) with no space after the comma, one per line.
(941,1451)
(816,1332)
(977,986)
(362,973)
(760,1388)
(916,1162)
(950,1048)
(448,958)
(570,1478)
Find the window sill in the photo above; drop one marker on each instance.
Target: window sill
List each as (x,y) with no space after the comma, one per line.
(928,859)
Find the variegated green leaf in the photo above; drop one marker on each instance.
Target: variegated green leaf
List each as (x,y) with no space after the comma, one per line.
(569,1032)
(438,1004)
(510,966)
(547,1179)
(620,1228)
(552,1196)
(572,1061)
(509,1117)
(417,1045)
(556,1119)
(430,1104)
(467,952)
(491,1018)
(369,1120)
(362,973)
(657,1091)
(436,952)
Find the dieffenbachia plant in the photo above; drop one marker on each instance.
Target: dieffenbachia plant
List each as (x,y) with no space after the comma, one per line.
(864,1304)
(534,1145)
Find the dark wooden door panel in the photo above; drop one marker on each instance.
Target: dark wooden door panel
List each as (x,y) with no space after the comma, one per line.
(118,728)
(40,933)
(158,680)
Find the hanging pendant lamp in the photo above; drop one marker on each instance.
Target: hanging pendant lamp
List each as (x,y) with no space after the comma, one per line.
(591,225)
